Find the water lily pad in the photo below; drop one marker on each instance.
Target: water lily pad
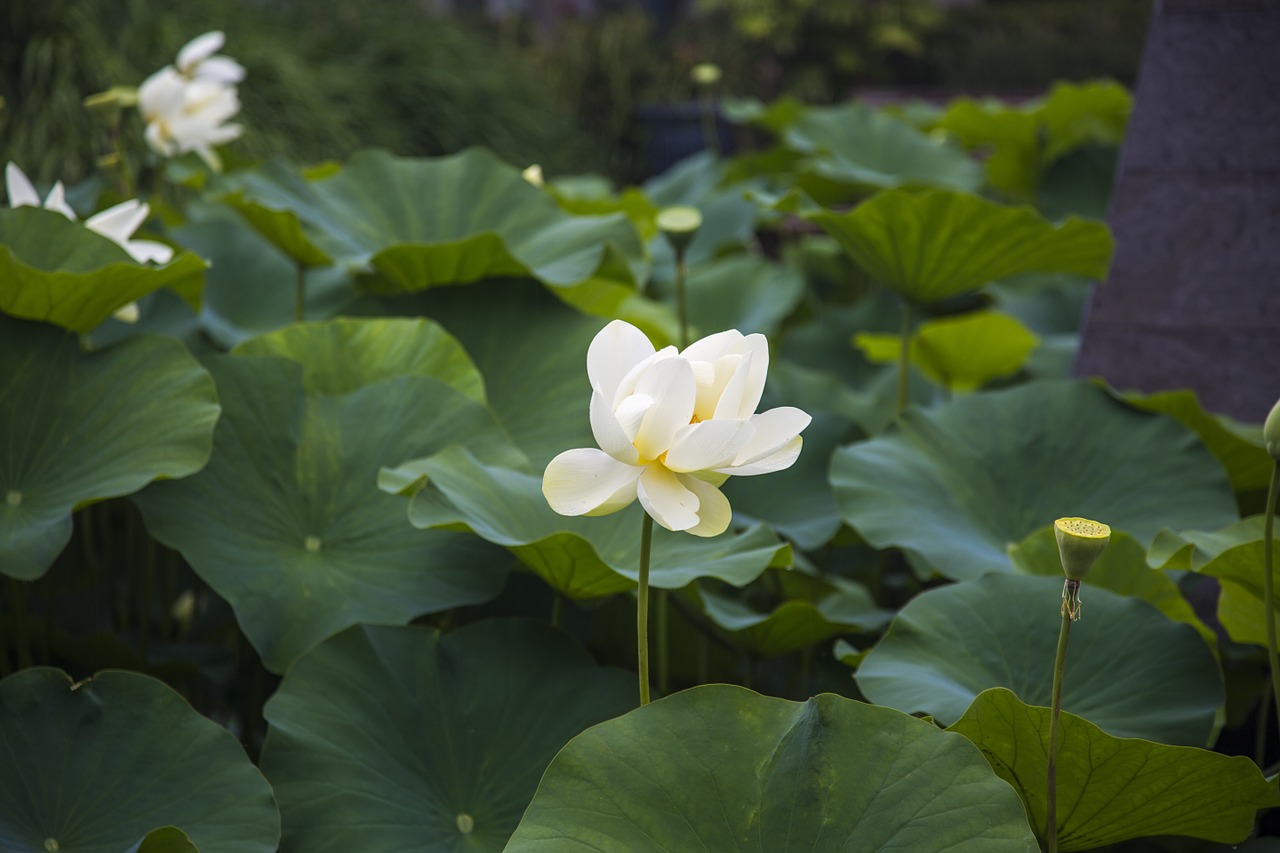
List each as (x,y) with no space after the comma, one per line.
(60,272)
(838,607)
(79,427)
(1122,568)
(580,557)
(857,146)
(929,246)
(1124,658)
(955,485)
(722,768)
(1111,789)
(410,224)
(93,767)
(287,522)
(451,762)
(960,353)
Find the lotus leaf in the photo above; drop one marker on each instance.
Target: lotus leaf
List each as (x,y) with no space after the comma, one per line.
(722,768)
(1111,789)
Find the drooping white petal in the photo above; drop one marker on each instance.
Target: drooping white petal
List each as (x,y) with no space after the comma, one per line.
(586,481)
(775,429)
(614,351)
(665,498)
(118,223)
(714,512)
(614,430)
(21,192)
(57,202)
(220,69)
(199,49)
(670,383)
(709,444)
(783,457)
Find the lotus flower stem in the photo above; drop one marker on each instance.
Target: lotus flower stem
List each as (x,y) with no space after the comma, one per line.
(148,596)
(557,608)
(1051,782)
(4,654)
(1268,584)
(904,356)
(664,675)
(300,294)
(681,306)
(642,608)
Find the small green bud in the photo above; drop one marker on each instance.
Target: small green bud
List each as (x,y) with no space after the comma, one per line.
(1271,432)
(706,74)
(679,224)
(1080,543)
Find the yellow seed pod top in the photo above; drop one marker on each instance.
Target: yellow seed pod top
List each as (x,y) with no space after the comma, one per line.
(1271,432)
(1080,543)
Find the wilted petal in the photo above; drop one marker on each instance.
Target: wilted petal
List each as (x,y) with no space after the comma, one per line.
(587,481)
(668,500)
(670,383)
(21,192)
(714,512)
(709,444)
(614,430)
(614,351)
(199,49)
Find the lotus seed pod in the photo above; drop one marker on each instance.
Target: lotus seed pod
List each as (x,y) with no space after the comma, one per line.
(706,74)
(679,224)
(1080,543)
(1271,432)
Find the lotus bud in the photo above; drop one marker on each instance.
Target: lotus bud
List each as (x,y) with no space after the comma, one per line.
(1080,543)
(679,224)
(1271,432)
(533,174)
(706,74)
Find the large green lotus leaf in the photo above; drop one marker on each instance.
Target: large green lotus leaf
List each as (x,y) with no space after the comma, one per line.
(1239,447)
(287,524)
(1124,659)
(417,223)
(742,292)
(857,146)
(1191,550)
(580,557)
(95,766)
(797,502)
(955,485)
(1241,604)
(250,288)
(344,355)
(531,350)
(722,768)
(1111,789)
(1023,141)
(398,738)
(78,427)
(960,353)
(60,272)
(1122,568)
(928,246)
(844,607)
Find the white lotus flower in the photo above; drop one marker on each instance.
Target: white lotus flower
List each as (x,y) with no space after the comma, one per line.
(671,428)
(188,107)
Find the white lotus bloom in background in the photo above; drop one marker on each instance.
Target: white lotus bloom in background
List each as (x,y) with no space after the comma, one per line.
(197,60)
(672,427)
(188,107)
(22,193)
(117,223)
